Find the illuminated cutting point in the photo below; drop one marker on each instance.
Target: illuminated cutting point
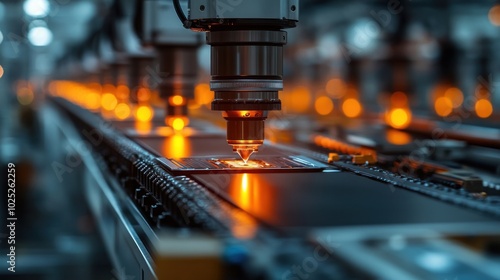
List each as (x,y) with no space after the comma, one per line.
(245,154)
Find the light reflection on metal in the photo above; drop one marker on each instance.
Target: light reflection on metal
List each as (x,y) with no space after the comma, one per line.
(251,193)
(176,146)
(142,127)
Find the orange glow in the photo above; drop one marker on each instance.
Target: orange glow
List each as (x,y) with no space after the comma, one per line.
(95,87)
(176,146)
(122,111)
(144,113)
(483,108)
(300,99)
(335,88)
(398,137)
(399,118)
(494,15)
(178,124)
(143,95)
(1,71)
(351,107)
(108,88)
(176,100)
(25,96)
(323,105)
(142,127)
(443,106)
(202,94)
(455,96)
(254,195)
(122,92)
(244,190)
(92,100)
(108,101)
(399,99)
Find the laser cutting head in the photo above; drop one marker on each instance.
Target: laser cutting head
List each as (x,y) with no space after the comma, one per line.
(246,42)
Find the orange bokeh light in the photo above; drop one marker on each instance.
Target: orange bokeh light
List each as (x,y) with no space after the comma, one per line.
(176,100)
(351,107)
(143,94)
(108,88)
(443,106)
(399,118)
(455,96)
(202,94)
(335,88)
(494,15)
(483,108)
(108,101)
(178,124)
(122,92)
(92,100)
(399,99)
(323,105)
(144,113)
(398,137)
(300,99)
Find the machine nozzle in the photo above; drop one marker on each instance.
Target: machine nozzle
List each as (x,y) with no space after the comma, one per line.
(245,153)
(245,131)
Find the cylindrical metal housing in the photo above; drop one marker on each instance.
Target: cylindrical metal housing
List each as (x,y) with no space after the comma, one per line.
(177,74)
(246,69)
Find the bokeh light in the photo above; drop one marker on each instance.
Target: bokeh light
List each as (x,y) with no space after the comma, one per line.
(323,105)
(351,107)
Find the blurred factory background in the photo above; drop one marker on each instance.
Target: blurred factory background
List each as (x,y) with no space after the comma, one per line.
(389,128)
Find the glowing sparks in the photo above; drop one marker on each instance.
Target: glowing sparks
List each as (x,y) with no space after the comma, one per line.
(443,106)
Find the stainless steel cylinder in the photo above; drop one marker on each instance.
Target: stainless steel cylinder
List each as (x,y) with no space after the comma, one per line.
(246,69)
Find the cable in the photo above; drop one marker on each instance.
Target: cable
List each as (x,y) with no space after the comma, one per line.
(180,13)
